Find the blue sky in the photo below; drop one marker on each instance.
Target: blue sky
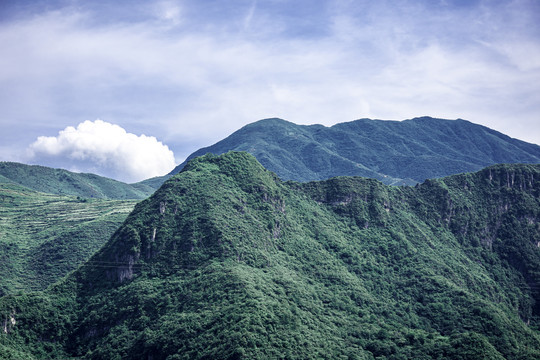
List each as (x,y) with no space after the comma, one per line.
(186,73)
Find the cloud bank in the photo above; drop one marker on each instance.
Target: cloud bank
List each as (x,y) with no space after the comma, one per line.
(105,149)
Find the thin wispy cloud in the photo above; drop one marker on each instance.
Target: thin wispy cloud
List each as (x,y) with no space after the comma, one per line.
(190,74)
(249,15)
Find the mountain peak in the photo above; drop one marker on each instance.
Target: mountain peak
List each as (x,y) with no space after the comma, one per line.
(274,120)
(185,221)
(394,152)
(240,160)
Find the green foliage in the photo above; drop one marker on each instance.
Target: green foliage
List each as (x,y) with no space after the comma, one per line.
(225,261)
(63,182)
(43,236)
(394,152)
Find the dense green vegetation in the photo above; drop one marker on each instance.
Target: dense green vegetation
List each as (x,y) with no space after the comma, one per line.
(63,182)
(394,152)
(43,236)
(226,261)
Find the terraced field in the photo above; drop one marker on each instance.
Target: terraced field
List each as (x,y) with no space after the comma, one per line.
(45,236)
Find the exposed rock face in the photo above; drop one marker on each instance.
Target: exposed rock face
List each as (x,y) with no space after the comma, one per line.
(10,322)
(120,264)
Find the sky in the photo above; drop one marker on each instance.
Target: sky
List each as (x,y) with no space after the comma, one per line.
(128,89)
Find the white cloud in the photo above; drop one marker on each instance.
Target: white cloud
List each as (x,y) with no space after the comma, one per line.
(105,149)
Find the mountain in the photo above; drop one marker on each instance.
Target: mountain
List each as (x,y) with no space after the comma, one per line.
(63,182)
(226,261)
(394,152)
(44,236)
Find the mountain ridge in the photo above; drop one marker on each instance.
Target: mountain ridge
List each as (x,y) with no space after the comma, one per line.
(395,152)
(63,182)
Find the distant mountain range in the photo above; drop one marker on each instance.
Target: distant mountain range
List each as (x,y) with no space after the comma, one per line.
(63,182)
(226,261)
(394,152)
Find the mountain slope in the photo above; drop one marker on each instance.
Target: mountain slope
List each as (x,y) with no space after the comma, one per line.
(394,152)
(63,182)
(225,261)
(43,236)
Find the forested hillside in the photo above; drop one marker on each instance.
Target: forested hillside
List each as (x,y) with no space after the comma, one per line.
(63,182)
(44,236)
(394,152)
(226,261)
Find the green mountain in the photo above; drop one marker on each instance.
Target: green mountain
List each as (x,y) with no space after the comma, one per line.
(394,152)
(226,261)
(63,182)
(43,236)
